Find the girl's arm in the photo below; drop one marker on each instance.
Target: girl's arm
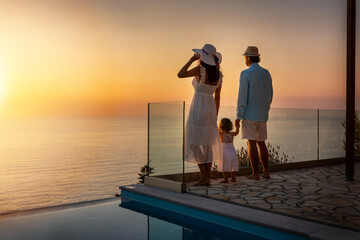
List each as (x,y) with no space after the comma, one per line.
(183,73)
(217,99)
(236,132)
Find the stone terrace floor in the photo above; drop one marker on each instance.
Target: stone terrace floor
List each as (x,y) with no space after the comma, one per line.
(319,194)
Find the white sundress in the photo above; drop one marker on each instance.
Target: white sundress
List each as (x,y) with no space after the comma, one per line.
(229,162)
(202,141)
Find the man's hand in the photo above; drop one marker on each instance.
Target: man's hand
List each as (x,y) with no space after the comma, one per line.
(237,123)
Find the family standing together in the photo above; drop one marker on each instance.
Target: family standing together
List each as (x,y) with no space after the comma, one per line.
(205,142)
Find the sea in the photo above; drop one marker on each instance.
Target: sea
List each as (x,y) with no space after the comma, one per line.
(51,161)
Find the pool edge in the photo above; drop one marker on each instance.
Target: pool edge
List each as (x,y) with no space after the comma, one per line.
(257,217)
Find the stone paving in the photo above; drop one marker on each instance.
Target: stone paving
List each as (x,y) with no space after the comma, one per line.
(319,194)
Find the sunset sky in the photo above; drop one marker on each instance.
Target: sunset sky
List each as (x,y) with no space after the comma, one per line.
(111,57)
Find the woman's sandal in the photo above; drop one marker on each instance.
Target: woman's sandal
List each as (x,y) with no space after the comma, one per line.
(202,184)
(266,176)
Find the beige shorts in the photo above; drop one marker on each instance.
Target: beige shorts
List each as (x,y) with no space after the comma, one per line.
(253,130)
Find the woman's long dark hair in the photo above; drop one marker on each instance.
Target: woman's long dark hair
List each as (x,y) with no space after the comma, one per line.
(213,72)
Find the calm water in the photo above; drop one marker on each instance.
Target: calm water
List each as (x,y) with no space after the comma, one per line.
(111,221)
(53,161)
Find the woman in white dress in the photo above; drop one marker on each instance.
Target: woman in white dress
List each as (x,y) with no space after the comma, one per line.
(202,141)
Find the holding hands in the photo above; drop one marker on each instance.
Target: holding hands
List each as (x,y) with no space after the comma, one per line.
(237,123)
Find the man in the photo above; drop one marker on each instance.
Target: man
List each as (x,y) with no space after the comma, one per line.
(254,99)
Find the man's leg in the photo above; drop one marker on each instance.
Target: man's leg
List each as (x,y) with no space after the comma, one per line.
(264,158)
(254,159)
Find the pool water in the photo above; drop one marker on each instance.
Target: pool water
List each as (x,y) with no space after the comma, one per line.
(125,219)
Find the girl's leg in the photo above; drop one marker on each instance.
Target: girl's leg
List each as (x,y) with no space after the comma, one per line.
(226,177)
(233,176)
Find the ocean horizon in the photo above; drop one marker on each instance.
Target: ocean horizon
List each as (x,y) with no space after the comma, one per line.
(50,161)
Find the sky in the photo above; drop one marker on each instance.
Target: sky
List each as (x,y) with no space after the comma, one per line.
(112,57)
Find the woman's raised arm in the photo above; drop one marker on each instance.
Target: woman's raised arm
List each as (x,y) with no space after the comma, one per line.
(183,73)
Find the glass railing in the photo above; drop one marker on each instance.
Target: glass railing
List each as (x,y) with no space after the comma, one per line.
(331,133)
(165,138)
(294,135)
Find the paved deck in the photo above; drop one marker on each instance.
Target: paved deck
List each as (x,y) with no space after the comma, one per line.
(319,194)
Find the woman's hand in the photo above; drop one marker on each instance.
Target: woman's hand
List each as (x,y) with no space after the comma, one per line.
(195,72)
(195,57)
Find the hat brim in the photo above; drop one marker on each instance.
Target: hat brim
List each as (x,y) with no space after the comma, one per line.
(251,54)
(207,58)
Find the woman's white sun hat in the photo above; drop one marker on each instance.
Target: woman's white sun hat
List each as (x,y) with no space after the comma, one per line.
(252,51)
(207,54)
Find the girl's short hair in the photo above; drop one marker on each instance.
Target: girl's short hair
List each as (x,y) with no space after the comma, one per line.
(225,125)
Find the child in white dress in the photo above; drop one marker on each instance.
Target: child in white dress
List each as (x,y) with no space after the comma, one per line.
(229,163)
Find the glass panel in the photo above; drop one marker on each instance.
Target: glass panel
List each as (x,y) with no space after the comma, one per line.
(332,133)
(166,138)
(292,134)
(189,167)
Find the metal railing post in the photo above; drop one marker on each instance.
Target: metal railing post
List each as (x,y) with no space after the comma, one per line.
(350,89)
(148,137)
(318,134)
(183,150)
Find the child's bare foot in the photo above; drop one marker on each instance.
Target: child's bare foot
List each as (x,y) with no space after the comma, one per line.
(224,181)
(252,176)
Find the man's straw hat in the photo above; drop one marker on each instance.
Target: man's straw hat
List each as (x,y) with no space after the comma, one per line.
(252,51)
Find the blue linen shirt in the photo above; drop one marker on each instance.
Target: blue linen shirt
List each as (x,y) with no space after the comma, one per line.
(255,94)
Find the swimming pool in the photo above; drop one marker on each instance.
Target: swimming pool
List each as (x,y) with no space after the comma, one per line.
(121,219)
(196,224)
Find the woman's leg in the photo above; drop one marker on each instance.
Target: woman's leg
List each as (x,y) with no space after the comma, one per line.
(233,176)
(208,170)
(204,177)
(226,177)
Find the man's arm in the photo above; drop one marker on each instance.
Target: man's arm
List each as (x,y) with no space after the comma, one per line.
(242,97)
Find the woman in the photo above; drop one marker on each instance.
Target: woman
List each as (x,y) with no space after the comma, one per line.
(202,141)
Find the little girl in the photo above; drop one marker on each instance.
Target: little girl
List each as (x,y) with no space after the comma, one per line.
(229,162)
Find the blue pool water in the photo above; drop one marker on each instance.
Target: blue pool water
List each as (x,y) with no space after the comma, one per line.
(200,223)
(116,220)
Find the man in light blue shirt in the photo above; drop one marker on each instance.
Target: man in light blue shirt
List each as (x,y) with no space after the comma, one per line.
(254,99)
